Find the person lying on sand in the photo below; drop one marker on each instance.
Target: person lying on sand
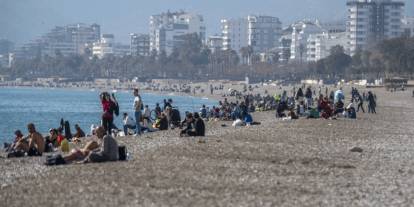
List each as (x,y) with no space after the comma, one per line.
(77,155)
(81,154)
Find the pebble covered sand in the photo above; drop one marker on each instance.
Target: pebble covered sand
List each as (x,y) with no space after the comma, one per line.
(278,163)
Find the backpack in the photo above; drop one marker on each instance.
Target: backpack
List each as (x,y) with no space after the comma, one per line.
(115,108)
(56,159)
(123,154)
(141,103)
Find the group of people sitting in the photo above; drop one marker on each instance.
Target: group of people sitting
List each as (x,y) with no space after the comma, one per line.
(101,148)
(332,106)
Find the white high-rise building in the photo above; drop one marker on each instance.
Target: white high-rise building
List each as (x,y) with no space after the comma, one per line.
(319,45)
(104,47)
(370,21)
(263,32)
(300,34)
(166,29)
(234,32)
(408,26)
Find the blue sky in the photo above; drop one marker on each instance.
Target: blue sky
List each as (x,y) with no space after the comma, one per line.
(22,20)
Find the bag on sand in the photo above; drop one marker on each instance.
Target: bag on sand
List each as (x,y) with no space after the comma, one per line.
(122,150)
(55,160)
(15,154)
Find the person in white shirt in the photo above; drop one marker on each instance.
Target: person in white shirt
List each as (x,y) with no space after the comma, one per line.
(147,116)
(129,123)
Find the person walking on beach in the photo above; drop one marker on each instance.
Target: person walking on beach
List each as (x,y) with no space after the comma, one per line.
(371,103)
(138,106)
(360,103)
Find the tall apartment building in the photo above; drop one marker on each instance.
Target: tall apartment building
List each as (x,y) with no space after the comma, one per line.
(104,46)
(235,33)
(70,39)
(263,32)
(370,21)
(140,44)
(319,45)
(408,26)
(166,29)
(65,40)
(300,34)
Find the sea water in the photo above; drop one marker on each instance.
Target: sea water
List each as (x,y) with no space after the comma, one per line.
(46,106)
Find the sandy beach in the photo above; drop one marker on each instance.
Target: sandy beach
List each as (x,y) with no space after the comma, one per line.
(278,163)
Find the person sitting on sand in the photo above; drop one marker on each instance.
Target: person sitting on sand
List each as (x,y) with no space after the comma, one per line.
(128,123)
(79,132)
(108,152)
(339,107)
(292,114)
(248,119)
(162,122)
(51,140)
(326,108)
(195,126)
(10,147)
(158,110)
(313,114)
(203,112)
(146,115)
(350,111)
(35,145)
(60,137)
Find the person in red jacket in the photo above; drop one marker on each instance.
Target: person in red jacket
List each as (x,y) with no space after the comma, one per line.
(108,114)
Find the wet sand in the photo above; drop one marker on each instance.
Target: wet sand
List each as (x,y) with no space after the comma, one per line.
(279,163)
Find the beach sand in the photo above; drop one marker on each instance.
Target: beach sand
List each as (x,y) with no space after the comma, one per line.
(278,163)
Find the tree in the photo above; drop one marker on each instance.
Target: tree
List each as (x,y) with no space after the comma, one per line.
(337,61)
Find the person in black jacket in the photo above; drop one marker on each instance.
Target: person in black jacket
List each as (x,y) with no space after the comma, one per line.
(195,126)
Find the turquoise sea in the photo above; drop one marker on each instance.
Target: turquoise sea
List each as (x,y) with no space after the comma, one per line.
(46,106)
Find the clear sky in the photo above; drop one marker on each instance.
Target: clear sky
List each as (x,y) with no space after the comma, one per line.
(23,20)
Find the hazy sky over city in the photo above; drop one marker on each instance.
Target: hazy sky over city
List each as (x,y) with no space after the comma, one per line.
(23,20)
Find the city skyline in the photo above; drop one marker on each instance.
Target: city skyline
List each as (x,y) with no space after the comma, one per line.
(23,21)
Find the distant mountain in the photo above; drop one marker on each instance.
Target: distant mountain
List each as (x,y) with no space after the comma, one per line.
(23,20)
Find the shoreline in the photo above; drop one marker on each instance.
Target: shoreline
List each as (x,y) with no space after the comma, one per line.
(277,163)
(155,92)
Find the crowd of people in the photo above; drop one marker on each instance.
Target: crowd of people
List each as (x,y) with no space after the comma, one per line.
(103,146)
(302,102)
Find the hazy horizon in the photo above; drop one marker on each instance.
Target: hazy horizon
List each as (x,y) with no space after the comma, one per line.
(24,20)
